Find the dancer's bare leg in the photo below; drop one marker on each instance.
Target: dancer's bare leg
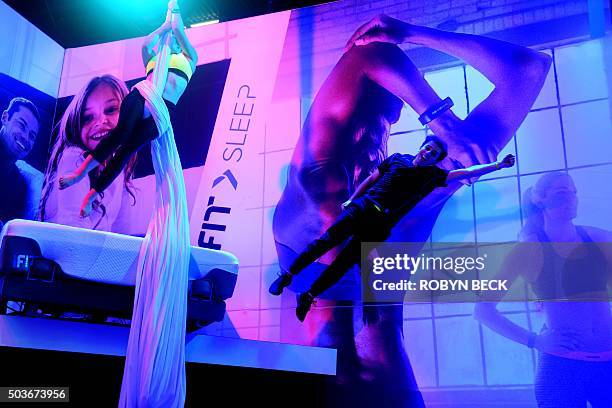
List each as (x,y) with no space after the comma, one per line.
(69,179)
(88,201)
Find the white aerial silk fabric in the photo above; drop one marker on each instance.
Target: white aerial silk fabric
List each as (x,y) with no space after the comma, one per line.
(154,373)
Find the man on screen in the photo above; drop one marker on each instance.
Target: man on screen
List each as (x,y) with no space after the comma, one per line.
(380,201)
(20,183)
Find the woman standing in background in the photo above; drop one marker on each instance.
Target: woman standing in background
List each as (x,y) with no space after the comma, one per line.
(569,271)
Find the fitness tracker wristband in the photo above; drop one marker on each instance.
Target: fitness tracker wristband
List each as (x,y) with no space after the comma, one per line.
(436,110)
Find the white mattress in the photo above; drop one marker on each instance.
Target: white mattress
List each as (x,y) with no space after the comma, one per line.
(105,257)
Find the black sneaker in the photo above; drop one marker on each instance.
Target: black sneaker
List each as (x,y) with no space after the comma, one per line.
(304,301)
(284,279)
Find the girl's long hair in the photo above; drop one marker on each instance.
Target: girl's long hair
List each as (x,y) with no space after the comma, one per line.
(533,210)
(69,134)
(370,140)
(374,116)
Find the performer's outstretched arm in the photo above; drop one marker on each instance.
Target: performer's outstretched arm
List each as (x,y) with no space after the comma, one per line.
(480,169)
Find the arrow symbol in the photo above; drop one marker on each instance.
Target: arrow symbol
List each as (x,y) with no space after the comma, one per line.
(228,174)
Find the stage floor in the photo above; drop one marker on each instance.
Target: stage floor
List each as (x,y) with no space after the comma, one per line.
(61,335)
(89,359)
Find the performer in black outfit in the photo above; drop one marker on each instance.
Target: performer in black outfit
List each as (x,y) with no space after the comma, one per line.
(136,126)
(390,192)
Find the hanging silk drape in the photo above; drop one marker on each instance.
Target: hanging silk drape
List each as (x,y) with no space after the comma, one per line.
(154,373)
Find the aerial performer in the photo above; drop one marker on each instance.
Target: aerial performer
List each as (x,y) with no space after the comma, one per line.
(154,373)
(136,125)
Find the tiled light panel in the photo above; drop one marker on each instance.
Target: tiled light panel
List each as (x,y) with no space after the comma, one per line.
(479,87)
(283,125)
(277,170)
(548,94)
(419,344)
(539,142)
(406,143)
(594,191)
(450,83)
(588,133)
(409,120)
(464,368)
(507,362)
(497,210)
(581,70)
(456,220)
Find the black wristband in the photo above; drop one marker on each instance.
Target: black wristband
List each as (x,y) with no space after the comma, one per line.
(436,110)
